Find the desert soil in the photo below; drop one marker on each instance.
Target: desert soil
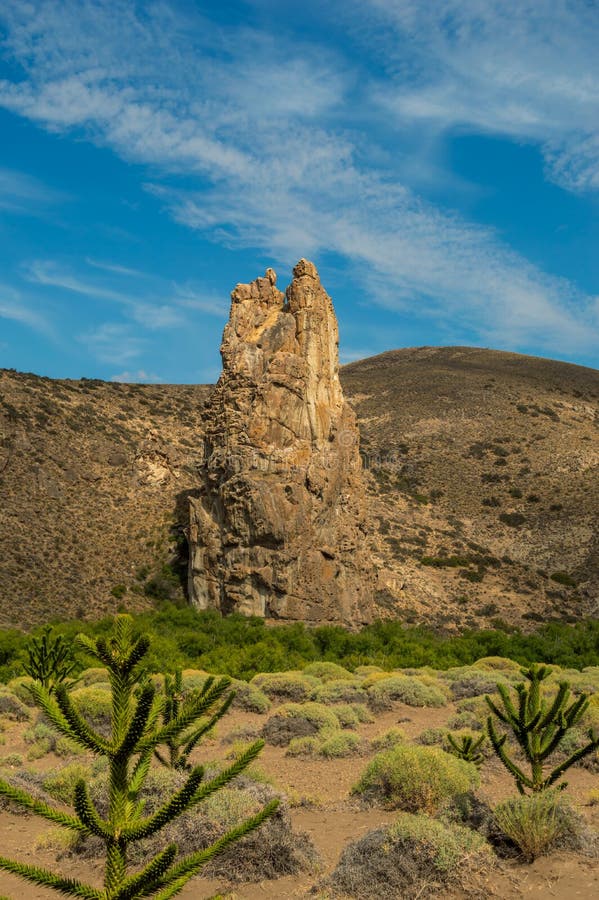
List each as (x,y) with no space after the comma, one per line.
(322,807)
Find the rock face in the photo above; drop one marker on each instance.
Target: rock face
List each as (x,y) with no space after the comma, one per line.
(276,529)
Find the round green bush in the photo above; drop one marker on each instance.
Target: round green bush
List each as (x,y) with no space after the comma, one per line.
(250,698)
(415,857)
(94,704)
(293,686)
(406,689)
(341,691)
(20,688)
(296,720)
(328,671)
(388,739)
(416,778)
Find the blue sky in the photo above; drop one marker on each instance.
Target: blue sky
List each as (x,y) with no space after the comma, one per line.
(439,162)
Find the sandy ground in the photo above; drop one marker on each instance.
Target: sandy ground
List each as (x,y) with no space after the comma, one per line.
(324,809)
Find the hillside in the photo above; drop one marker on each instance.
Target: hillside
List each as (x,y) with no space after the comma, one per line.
(482,469)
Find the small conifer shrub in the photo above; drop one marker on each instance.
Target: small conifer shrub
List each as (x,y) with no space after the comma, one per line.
(137,729)
(49,659)
(539,726)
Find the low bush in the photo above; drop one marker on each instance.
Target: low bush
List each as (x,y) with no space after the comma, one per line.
(468,682)
(293,686)
(331,743)
(415,857)
(93,675)
(328,671)
(539,823)
(415,779)
(404,689)
(498,664)
(60,783)
(431,736)
(341,691)
(297,720)
(388,739)
(12,707)
(43,739)
(273,851)
(20,688)
(250,698)
(94,704)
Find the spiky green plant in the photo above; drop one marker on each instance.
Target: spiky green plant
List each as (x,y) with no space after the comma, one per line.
(49,659)
(137,729)
(467,747)
(538,725)
(179,746)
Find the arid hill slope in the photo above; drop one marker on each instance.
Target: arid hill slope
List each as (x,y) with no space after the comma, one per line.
(483,470)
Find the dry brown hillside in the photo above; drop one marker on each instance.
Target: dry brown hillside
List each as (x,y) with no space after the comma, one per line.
(483,471)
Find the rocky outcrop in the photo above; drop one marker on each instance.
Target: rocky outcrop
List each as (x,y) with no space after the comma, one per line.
(276,529)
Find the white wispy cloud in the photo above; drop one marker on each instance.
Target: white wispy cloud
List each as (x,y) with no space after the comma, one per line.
(21,193)
(113,343)
(528,69)
(268,130)
(51,274)
(115,269)
(14,308)
(151,315)
(138,377)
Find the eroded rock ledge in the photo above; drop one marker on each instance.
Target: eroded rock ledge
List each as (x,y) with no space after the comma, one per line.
(277,529)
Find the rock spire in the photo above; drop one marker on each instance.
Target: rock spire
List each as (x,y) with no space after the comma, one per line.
(276,528)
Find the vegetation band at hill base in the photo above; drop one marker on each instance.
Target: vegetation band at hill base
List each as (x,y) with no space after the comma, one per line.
(241,647)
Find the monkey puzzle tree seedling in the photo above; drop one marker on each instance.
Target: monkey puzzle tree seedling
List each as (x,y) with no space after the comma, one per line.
(180,745)
(137,729)
(49,659)
(467,747)
(539,726)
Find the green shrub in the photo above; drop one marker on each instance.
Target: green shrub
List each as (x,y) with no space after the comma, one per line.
(347,715)
(250,698)
(537,823)
(328,671)
(12,707)
(60,783)
(336,744)
(415,857)
(20,688)
(405,689)
(93,675)
(513,519)
(304,746)
(497,664)
(293,686)
(298,720)
(416,778)
(341,691)
(331,743)
(94,703)
(431,736)
(564,578)
(388,739)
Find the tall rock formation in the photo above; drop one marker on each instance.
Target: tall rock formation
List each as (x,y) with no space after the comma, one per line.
(277,527)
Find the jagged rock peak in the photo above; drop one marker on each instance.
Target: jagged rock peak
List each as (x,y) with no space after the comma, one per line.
(275,530)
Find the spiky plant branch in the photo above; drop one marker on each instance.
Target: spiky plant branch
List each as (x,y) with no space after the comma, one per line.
(49,659)
(139,727)
(179,746)
(467,747)
(538,726)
